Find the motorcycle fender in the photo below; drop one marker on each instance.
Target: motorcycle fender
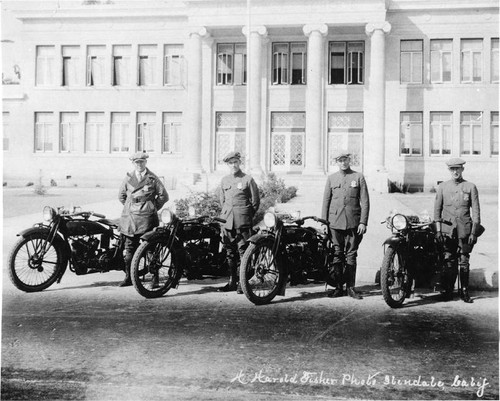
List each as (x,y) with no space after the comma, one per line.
(394,241)
(153,234)
(259,237)
(58,239)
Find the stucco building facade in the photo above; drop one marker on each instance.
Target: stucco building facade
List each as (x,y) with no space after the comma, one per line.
(402,84)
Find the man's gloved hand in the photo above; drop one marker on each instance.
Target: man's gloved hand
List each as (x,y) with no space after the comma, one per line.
(472,239)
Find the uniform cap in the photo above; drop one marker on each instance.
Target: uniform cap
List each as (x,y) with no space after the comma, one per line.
(455,162)
(342,153)
(139,156)
(232,155)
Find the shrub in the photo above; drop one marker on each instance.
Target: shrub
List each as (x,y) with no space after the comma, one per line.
(30,184)
(271,191)
(5,183)
(40,190)
(53,183)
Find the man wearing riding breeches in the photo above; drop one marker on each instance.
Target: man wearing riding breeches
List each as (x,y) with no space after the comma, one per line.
(142,195)
(346,206)
(455,199)
(240,199)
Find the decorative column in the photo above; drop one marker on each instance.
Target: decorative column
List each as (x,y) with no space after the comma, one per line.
(314,98)
(375,108)
(255,36)
(193,111)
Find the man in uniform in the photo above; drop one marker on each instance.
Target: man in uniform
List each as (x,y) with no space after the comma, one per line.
(142,195)
(346,206)
(239,198)
(454,200)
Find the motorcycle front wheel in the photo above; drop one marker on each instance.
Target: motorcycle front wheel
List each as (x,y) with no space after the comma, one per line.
(35,263)
(394,278)
(261,275)
(154,269)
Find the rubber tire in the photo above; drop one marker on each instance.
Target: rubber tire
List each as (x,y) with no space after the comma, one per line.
(385,275)
(245,267)
(174,272)
(13,275)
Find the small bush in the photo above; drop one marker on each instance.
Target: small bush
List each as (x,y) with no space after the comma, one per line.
(53,183)
(395,186)
(5,183)
(271,191)
(40,190)
(30,184)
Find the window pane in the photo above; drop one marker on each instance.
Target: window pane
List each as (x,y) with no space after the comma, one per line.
(446,67)
(121,64)
(494,60)
(45,65)
(494,133)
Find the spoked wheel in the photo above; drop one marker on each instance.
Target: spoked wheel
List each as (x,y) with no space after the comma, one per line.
(154,269)
(35,263)
(261,275)
(394,278)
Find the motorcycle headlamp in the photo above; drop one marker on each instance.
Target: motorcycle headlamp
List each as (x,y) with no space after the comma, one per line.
(167,216)
(399,222)
(48,213)
(270,220)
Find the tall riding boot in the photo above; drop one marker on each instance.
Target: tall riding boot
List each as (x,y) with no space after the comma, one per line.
(448,280)
(351,279)
(233,279)
(127,281)
(336,276)
(464,291)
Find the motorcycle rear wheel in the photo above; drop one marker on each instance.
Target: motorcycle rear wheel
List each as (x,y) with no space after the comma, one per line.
(394,278)
(154,269)
(35,263)
(261,276)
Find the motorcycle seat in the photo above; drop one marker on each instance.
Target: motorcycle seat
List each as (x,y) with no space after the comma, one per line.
(110,222)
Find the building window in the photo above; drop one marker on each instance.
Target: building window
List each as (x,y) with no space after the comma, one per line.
(441,60)
(441,133)
(6,130)
(411,134)
(121,65)
(94,132)
(147,65)
(231,64)
(411,61)
(347,63)
(68,132)
(471,60)
(174,65)
(345,131)
(494,133)
(45,72)
(70,65)
(120,132)
(44,132)
(494,61)
(289,63)
(230,135)
(470,133)
(145,132)
(95,65)
(171,135)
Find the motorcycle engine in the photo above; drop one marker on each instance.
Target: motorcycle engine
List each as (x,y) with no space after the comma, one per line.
(84,253)
(300,262)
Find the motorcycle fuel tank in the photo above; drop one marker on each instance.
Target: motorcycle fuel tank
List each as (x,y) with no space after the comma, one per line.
(85,228)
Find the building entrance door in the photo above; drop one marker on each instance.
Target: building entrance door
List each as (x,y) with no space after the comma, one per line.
(287,151)
(345,132)
(287,141)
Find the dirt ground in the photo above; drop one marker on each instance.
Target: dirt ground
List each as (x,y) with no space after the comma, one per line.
(88,339)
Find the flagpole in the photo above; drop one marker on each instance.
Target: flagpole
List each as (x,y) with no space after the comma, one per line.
(248,97)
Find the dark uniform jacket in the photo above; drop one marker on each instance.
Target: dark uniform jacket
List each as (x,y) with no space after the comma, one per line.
(239,198)
(346,203)
(141,201)
(454,200)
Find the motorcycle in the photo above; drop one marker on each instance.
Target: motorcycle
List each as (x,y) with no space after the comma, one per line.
(189,247)
(413,257)
(285,250)
(40,257)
